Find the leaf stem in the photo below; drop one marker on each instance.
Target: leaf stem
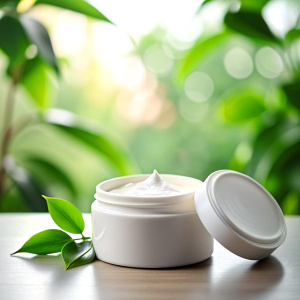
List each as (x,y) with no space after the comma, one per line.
(83,238)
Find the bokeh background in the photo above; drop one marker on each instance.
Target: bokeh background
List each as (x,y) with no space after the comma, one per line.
(184,87)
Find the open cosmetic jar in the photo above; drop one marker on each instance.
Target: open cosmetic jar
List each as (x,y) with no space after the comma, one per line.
(165,231)
(149,231)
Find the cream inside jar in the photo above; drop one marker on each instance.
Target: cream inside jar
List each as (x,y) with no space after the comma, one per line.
(154,185)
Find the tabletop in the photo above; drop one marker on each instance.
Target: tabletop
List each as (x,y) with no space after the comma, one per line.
(223,276)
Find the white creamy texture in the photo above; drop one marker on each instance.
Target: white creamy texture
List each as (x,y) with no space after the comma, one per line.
(154,185)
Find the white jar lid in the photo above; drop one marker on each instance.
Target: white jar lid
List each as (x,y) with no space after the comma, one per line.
(240,214)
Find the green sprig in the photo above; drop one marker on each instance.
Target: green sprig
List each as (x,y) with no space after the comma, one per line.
(75,252)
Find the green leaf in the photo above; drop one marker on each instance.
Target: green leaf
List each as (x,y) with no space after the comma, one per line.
(13,39)
(291,204)
(256,5)
(200,52)
(78,6)
(36,80)
(29,189)
(270,148)
(46,242)
(40,37)
(292,35)
(251,5)
(250,24)
(275,161)
(292,91)
(263,141)
(78,254)
(65,215)
(242,105)
(89,135)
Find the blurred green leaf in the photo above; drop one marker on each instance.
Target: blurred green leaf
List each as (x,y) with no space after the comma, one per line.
(78,254)
(264,139)
(256,5)
(207,1)
(248,5)
(286,157)
(250,24)
(66,215)
(53,171)
(28,188)
(292,35)
(89,135)
(201,51)
(13,39)
(40,37)
(291,205)
(278,167)
(78,6)
(10,3)
(292,91)
(270,145)
(46,242)
(275,159)
(242,105)
(36,81)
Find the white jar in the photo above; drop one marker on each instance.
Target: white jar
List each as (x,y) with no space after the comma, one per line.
(149,232)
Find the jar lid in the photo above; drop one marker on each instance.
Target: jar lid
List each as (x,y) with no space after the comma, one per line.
(240,214)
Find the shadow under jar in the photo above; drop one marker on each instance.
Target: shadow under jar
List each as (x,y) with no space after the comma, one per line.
(149,231)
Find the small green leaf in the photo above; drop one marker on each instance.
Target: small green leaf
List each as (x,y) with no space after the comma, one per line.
(242,105)
(85,259)
(201,51)
(65,215)
(77,254)
(13,39)
(78,6)
(250,24)
(36,80)
(40,37)
(46,242)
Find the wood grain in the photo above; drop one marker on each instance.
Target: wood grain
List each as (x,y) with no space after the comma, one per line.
(223,276)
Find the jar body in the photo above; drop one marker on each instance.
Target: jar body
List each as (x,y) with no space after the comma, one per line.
(144,238)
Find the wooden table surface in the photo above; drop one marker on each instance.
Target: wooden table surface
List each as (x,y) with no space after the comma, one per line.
(223,276)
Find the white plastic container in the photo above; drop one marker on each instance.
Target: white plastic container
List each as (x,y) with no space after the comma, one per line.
(149,232)
(162,232)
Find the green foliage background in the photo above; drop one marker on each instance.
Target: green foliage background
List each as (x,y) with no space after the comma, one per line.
(249,124)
